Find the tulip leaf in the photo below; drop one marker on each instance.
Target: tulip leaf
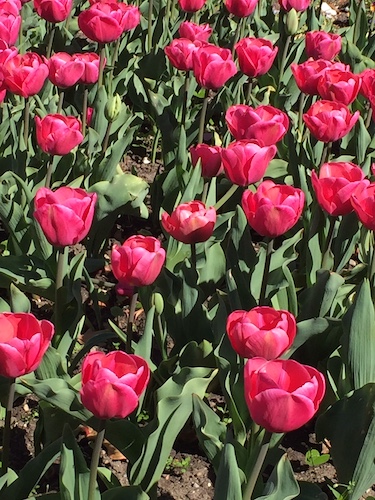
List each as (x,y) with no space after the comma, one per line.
(125,493)
(310,491)
(19,303)
(281,483)
(228,482)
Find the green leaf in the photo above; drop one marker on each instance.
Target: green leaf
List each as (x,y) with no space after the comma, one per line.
(125,493)
(18,300)
(314,458)
(228,482)
(281,483)
(310,491)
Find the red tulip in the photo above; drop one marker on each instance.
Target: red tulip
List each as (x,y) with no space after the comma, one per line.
(137,262)
(190,222)
(322,45)
(368,84)
(65,215)
(180,53)
(57,134)
(53,11)
(335,185)
(25,74)
(262,331)
(213,66)
(112,383)
(307,74)
(298,5)
(255,56)
(23,342)
(191,5)
(329,121)
(91,63)
(65,70)
(282,395)
(339,86)
(106,22)
(10,22)
(245,162)
(363,201)
(6,53)
(192,31)
(273,209)
(241,8)
(264,124)
(210,157)
(89,114)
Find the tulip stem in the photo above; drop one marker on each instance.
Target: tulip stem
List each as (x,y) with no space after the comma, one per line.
(50,41)
(226,197)
(61,101)
(205,191)
(49,172)
(101,65)
(369,115)
(62,260)
(249,90)
(283,60)
(149,25)
(202,121)
(84,110)
(262,297)
(26,121)
(236,36)
(300,116)
(114,61)
(185,98)
(129,327)
(95,461)
(106,138)
(193,256)
(6,432)
(326,153)
(257,467)
(327,252)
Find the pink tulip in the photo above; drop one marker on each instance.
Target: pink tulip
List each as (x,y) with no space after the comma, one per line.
(137,262)
(322,45)
(298,5)
(57,134)
(255,56)
(192,31)
(262,331)
(53,11)
(190,222)
(65,215)
(90,61)
(6,53)
(282,395)
(363,201)
(191,5)
(241,8)
(10,22)
(213,66)
(264,124)
(112,383)
(210,157)
(273,209)
(245,162)
(307,74)
(180,53)
(339,86)
(65,70)
(23,342)
(25,74)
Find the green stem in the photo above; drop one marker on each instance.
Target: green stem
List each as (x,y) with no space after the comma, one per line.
(257,467)
(61,100)
(372,258)
(7,429)
(129,328)
(26,121)
(114,62)
(226,197)
(50,41)
(236,37)
(327,252)
(205,191)
(283,59)
(300,116)
(369,115)
(249,91)
(262,297)
(49,172)
(193,256)
(84,110)
(372,25)
(91,495)
(185,98)
(155,143)
(62,260)
(101,64)
(106,138)
(160,337)
(149,24)
(202,121)
(326,153)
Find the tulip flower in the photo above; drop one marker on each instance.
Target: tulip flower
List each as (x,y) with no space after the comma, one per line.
(245,162)
(65,215)
(329,121)
(255,56)
(264,124)
(273,209)
(23,342)
(6,53)
(336,183)
(90,61)
(106,22)
(192,31)
(307,74)
(65,70)
(262,331)
(339,86)
(241,8)
(10,22)
(191,5)
(322,45)
(25,74)
(210,157)
(180,53)
(190,222)
(368,84)
(213,66)
(113,383)
(53,11)
(363,201)
(282,395)
(137,262)
(298,5)
(57,134)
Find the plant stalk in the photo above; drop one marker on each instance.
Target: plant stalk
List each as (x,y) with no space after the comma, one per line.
(249,91)
(129,327)
(26,121)
(50,41)
(7,430)
(185,98)
(95,461)
(84,110)
(49,172)
(101,64)
(61,101)
(327,252)
(236,36)
(62,260)
(149,24)
(326,153)
(227,196)
(202,121)
(262,297)
(193,248)
(257,467)
(106,138)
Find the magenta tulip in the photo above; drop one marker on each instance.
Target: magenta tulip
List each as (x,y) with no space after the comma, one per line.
(25,74)
(53,11)
(322,45)
(210,157)
(65,70)
(192,31)
(213,66)
(255,56)
(363,201)
(57,134)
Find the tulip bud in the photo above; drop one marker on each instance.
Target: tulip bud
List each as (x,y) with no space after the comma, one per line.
(157,301)
(292,22)
(112,108)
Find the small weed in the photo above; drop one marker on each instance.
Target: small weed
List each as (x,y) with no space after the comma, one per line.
(178,464)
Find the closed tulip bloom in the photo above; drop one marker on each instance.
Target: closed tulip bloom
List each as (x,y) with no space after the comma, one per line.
(190,222)
(273,209)
(339,86)
(282,395)
(368,84)
(113,383)
(307,74)
(65,70)
(53,11)
(298,5)
(241,8)
(192,31)
(137,262)
(25,74)
(23,342)
(65,215)
(262,331)
(336,183)
(245,162)
(57,134)
(255,56)
(264,124)
(191,5)
(210,157)
(213,66)
(10,22)
(106,22)
(329,121)
(180,53)
(363,201)
(6,53)
(91,63)
(322,45)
